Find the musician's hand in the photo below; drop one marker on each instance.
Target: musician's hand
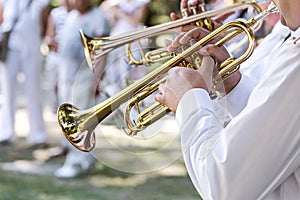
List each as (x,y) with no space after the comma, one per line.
(181,79)
(192,7)
(188,8)
(184,38)
(220,54)
(51,43)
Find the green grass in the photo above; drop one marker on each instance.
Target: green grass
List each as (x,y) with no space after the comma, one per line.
(102,182)
(25,177)
(21,186)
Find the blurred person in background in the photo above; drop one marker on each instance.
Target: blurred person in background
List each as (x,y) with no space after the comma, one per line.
(1,11)
(23,55)
(50,47)
(125,16)
(1,20)
(55,21)
(77,83)
(110,8)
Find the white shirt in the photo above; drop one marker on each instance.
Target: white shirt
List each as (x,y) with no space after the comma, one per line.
(129,6)
(59,16)
(253,68)
(27,30)
(71,45)
(257,155)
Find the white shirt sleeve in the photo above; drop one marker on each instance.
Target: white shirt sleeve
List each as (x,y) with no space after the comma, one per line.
(253,69)
(237,99)
(259,150)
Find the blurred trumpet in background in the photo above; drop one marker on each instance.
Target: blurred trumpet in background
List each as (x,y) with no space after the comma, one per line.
(95,48)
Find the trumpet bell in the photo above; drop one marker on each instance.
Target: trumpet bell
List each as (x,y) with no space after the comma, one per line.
(77,130)
(94,48)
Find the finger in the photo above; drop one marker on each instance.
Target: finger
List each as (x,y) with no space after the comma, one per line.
(162,89)
(219,53)
(161,95)
(174,70)
(204,50)
(206,71)
(208,62)
(202,6)
(183,4)
(159,98)
(174,17)
(196,34)
(193,2)
(167,42)
(175,44)
(195,6)
(191,7)
(184,38)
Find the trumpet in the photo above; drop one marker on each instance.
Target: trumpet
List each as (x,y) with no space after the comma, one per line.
(95,48)
(78,125)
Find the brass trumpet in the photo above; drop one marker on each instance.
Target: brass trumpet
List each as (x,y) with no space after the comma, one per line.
(78,125)
(95,48)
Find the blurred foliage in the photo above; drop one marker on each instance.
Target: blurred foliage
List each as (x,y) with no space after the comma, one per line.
(55,3)
(158,12)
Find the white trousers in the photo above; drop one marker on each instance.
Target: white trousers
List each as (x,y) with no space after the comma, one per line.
(77,91)
(52,64)
(30,65)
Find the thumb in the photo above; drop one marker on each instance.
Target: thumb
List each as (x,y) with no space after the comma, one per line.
(207,70)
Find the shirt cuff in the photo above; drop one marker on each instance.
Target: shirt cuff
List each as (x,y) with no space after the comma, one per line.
(237,99)
(191,101)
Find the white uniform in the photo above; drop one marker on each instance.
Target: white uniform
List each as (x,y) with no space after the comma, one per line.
(75,78)
(117,69)
(73,69)
(24,54)
(53,59)
(254,67)
(257,155)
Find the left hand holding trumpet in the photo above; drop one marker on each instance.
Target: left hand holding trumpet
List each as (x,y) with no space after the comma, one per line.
(181,79)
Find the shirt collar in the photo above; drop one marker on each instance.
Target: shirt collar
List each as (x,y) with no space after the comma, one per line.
(295,36)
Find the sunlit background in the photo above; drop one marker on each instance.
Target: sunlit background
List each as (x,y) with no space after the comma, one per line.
(127,168)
